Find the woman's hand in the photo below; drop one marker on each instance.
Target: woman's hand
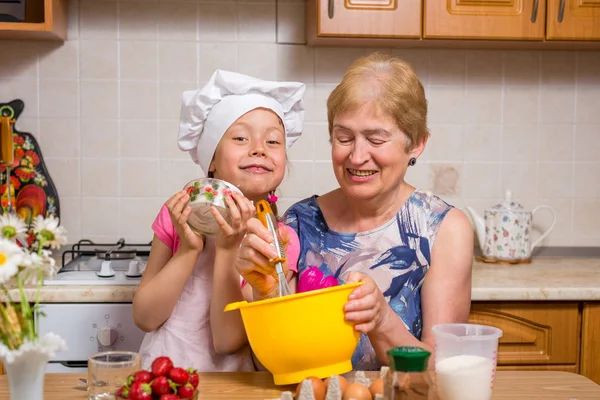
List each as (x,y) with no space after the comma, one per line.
(253,257)
(241,210)
(179,211)
(366,305)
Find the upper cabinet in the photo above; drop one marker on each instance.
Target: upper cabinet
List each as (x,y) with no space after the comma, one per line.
(484,19)
(43,20)
(365,18)
(567,24)
(573,20)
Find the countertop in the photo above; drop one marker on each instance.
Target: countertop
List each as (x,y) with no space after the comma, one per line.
(560,279)
(513,385)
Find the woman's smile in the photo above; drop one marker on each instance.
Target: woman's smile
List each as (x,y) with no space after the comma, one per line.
(361,175)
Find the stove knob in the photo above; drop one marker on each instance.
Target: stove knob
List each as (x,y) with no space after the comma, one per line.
(107,336)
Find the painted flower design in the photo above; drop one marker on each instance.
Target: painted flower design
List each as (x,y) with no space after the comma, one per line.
(28,160)
(209,193)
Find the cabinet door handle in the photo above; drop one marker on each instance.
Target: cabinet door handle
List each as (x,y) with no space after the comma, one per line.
(534,11)
(330,10)
(561,11)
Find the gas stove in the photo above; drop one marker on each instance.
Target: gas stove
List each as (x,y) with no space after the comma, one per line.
(89,263)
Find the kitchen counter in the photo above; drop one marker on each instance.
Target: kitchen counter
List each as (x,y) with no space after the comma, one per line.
(560,279)
(548,385)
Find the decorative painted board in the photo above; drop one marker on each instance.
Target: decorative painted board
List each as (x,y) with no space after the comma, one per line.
(32,191)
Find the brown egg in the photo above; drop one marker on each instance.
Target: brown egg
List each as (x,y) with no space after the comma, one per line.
(318,386)
(376,387)
(357,391)
(343,383)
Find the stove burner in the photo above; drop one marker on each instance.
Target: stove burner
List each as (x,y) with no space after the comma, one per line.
(120,251)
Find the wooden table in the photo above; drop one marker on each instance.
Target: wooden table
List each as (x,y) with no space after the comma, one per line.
(510,385)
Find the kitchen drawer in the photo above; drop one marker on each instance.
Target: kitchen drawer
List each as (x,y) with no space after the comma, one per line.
(533,332)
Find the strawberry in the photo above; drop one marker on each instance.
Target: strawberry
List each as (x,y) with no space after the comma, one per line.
(179,376)
(194,378)
(169,397)
(123,392)
(161,366)
(160,385)
(186,391)
(140,391)
(142,376)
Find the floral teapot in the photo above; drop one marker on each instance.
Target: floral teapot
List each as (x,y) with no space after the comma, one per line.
(504,233)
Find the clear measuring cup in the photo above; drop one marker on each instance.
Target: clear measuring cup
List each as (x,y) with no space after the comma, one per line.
(465,360)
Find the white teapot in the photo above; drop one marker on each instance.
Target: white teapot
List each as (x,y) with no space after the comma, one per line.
(504,233)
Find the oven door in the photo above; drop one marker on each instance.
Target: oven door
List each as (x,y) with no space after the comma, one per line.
(65,367)
(88,328)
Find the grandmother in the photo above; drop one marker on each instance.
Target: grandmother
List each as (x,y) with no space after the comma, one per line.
(412,250)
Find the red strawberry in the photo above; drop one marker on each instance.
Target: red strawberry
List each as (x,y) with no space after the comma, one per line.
(169,397)
(161,366)
(142,376)
(140,391)
(186,392)
(160,385)
(123,392)
(179,376)
(194,378)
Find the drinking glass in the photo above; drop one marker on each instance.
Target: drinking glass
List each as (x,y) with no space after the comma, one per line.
(108,371)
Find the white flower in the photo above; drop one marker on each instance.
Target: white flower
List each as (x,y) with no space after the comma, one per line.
(12,227)
(33,263)
(52,234)
(11,256)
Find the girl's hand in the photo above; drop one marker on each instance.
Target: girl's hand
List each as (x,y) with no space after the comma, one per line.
(253,257)
(366,305)
(241,210)
(179,212)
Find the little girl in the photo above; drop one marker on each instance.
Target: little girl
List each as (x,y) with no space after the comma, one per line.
(237,128)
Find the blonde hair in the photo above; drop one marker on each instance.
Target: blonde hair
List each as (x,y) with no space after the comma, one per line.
(392,86)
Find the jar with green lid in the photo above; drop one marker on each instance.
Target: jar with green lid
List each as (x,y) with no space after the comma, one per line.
(408,377)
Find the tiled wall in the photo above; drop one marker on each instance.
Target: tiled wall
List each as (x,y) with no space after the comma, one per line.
(105,105)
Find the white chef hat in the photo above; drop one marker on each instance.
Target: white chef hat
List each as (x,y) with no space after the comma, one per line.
(208,112)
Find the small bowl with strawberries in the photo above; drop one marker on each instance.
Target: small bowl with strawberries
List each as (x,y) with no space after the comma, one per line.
(164,381)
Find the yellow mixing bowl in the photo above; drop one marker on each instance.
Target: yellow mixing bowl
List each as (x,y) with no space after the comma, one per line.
(301,335)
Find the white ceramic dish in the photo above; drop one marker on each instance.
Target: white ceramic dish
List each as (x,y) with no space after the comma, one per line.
(205,193)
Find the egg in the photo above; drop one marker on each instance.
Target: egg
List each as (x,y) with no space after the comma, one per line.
(343,383)
(357,391)
(376,387)
(318,387)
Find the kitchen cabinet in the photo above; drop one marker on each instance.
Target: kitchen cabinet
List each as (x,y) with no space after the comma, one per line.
(387,19)
(44,20)
(573,20)
(484,19)
(590,348)
(534,333)
(508,24)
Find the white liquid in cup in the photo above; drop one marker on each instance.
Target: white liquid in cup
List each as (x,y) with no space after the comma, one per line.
(465,377)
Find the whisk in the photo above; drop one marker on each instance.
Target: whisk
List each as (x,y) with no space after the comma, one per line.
(266,216)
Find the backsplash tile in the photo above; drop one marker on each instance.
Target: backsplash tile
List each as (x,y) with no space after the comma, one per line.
(105,108)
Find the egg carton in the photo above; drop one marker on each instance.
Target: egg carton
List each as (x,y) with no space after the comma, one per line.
(334,388)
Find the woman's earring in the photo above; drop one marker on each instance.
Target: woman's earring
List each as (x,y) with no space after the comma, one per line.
(412,161)
(271,198)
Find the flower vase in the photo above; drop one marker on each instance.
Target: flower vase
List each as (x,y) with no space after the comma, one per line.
(26,366)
